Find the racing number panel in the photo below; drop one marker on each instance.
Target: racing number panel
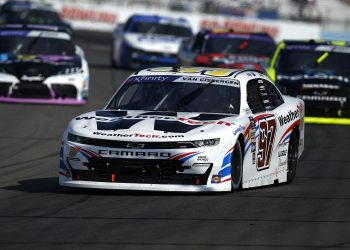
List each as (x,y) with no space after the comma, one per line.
(261,98)
(267,132)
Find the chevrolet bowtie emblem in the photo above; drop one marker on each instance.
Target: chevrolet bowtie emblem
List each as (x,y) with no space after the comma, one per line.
(135,145)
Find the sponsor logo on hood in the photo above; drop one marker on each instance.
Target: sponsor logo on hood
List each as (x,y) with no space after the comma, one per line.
(37,78)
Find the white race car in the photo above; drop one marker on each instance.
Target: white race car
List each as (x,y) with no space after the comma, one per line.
(145,41)
(186,129)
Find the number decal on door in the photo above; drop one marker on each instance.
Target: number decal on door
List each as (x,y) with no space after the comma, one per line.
(267,133)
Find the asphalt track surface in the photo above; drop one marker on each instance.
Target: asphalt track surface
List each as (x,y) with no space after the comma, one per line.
(35,213)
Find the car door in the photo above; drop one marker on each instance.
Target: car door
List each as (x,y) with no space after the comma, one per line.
(263,106)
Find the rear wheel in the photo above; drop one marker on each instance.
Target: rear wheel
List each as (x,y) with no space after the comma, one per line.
(236,167)
(292,156)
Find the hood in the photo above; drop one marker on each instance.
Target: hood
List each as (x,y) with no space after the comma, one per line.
(239,61)
(153,42)
(158,126)
(40,66)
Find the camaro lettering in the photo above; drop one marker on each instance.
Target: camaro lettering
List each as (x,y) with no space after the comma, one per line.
(292,115)
(134,154)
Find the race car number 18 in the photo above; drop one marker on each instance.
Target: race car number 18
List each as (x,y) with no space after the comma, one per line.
(267,133)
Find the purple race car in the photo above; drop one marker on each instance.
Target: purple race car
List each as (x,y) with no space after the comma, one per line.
(41,64)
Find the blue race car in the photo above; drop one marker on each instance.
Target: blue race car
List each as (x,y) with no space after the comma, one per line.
(145,41)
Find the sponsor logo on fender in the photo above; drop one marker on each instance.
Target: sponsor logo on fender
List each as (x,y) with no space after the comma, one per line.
(73,151)
(134,153)
(285,119)
(216,179)
(282,153)
(238,130)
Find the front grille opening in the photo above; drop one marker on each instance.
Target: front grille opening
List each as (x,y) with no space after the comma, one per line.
(64,91)
(31,90)
(138,171)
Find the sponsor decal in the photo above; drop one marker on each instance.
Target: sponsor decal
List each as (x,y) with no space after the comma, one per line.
(32,78)
(73,151)
(252,137)
(238,130)
(316,76)
(340,99)
(216,179)
(282,163)
(228,82)
(319,86)
(291,116)
(138,135)
(149,78)
(134,153)
(140,117)
(189,121)
(282,153)
(202,158)
(247,111)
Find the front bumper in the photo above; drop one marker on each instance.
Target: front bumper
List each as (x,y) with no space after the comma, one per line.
(66,101)
(140,59)
(144,169)
(40,93)
(222,187)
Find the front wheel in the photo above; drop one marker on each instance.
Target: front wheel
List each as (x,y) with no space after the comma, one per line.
(292,156)
(236,167)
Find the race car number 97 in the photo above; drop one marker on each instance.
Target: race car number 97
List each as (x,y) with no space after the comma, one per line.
(267,133)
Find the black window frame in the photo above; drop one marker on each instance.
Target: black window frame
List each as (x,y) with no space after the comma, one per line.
(254,100)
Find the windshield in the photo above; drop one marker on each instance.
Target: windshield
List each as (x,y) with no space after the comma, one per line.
(161,29)
(227,45)
(33,16)
(36,45)
(42,17)
(177,97)
(300,60)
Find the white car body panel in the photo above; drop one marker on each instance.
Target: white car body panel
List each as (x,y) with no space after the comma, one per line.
(247,126)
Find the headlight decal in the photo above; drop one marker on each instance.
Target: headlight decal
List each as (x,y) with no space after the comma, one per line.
(71,71)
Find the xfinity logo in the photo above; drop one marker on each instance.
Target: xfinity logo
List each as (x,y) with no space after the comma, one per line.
(134,154)
(32,78)
(292,115)
(150,79)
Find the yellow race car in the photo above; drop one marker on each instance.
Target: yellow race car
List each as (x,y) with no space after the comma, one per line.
(317,72)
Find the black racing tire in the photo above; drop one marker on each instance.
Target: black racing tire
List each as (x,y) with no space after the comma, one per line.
(236,167)
(293,156)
